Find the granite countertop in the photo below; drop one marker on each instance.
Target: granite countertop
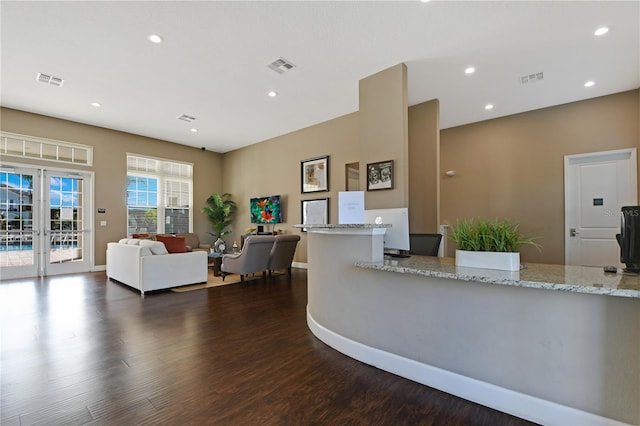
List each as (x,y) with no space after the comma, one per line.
(578,279)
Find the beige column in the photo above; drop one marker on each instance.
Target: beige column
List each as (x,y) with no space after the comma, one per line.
(384,133)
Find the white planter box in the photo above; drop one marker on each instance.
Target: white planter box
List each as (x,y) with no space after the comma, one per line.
(488,260)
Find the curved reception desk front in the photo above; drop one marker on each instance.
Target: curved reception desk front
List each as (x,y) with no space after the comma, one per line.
(552,344)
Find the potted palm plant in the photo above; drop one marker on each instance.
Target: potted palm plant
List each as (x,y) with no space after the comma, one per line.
(489,244)
(219,210)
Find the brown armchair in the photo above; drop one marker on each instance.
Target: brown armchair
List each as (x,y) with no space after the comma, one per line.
(254,257)
(193,242)
(282,252)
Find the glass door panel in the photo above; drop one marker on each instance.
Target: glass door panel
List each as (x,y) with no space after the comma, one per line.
(19,246)
(67,221)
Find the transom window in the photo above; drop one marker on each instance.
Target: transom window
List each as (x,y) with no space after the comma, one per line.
(158,188)
(15,145)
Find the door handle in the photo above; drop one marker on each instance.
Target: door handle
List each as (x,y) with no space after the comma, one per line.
(573,232)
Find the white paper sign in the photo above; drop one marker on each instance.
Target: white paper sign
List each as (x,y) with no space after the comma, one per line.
(66,213)
(351,207)
(315,212)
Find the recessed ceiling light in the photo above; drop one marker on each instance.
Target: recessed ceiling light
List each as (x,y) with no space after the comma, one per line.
(470,70)
(273,94)
(194,130)
(601,31)
(96,104)
(425,1)
(589,83)
(488,106)
(155,38)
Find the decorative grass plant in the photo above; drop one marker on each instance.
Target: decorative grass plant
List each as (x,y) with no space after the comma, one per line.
(484,235)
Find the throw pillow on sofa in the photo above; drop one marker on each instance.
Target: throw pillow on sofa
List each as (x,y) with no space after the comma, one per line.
(156,247)
(173,244)
(141,236)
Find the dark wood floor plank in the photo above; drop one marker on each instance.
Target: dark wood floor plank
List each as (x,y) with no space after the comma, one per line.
(71,411)
(80,349)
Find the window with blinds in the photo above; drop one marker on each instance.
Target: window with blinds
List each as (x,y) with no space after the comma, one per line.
(158,188)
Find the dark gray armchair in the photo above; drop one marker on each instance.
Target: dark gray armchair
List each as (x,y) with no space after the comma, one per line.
(282,253)
(254,257)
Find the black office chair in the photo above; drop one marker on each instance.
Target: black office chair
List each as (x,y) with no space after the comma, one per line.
(424,244)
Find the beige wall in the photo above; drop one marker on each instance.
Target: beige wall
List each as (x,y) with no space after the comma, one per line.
(513,167)
(377,132)
(508,167)
(424,167)
(273,167)
(110,149)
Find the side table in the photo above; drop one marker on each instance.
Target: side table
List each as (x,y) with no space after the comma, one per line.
(216,262)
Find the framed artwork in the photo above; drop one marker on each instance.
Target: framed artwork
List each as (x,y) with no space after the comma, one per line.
(314,212)
(315,174)
(380,175)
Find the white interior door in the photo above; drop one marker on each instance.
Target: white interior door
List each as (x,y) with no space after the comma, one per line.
(597,185)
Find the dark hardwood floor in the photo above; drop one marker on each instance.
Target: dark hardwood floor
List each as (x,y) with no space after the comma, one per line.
(81,350)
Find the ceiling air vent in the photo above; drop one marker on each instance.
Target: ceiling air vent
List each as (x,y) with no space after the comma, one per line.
(187,118)
(49,79)
(531,78)
(280,65)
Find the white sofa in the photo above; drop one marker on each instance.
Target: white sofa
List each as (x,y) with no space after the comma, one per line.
(146,265)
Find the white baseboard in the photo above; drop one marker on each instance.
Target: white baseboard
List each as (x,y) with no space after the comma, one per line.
(508,401)
(98,268)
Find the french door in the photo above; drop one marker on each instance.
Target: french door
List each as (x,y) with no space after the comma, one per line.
(45,222)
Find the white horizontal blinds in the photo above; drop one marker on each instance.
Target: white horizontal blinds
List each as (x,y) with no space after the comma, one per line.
(174,192)
(142,164)
(15,145)
(159,167)
(177,209)
(176,169)
(177,194)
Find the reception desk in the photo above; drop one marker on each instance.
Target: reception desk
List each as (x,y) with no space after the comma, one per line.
(552,344)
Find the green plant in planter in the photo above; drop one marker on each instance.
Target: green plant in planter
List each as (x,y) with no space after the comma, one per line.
(220,208)
(484,235)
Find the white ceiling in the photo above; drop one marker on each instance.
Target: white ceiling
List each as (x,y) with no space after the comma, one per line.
(213,62)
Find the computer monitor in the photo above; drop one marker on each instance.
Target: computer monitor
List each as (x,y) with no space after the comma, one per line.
(629,238)
(425,244)
(396,237)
